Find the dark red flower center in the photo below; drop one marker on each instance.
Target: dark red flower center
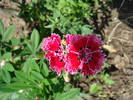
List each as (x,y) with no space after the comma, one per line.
(85,54)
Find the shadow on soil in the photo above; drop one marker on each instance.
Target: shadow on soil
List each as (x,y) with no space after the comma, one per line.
(125,11)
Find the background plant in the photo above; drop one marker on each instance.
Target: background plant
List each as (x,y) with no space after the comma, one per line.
(63,16)
(96,88)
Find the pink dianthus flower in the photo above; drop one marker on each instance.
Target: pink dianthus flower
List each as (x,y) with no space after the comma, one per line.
(54,52)
(82,54)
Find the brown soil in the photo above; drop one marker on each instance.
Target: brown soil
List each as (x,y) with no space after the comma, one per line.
(119,34)
(9,15)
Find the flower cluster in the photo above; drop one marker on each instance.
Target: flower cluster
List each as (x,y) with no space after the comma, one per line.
(79,54)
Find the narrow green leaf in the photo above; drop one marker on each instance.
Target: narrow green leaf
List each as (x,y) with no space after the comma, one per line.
(54,81)
(106,78)
(68,95)
(35,38)
(15,41)
(1,27)
(84,95)
(56,14)
(22,76)
(8,66)
(109,81)
(14,87)
(19,86)
(37,76)
(5,89)
(30,65)
(9,33)
(49,26)
(46,82)
(30,48)
(94,88)
(39,47)
(6,76)
(7,56)
(45,70)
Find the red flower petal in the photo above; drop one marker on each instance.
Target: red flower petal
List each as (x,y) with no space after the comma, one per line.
(54,52)
(93,42)
(56,64)
(94,65)
(87,50)
(77,41)
(48,55)
(72,63)
(87,71)
(52,43)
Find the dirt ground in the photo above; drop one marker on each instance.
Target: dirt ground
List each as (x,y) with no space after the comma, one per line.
(119,35)
(9,14)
